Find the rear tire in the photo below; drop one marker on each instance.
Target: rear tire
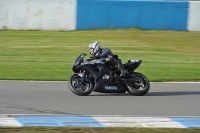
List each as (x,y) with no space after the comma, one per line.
(77,88)
(134,88)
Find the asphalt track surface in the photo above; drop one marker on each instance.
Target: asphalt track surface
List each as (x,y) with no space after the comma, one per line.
(163,99)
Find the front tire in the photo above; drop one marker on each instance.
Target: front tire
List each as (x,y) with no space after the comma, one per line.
(79,89)
(138,89)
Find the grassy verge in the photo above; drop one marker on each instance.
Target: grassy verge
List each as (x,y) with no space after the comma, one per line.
(49,55)
(95,130)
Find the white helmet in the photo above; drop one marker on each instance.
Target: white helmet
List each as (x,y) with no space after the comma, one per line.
(96,46)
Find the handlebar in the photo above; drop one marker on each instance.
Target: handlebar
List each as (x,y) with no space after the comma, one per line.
(91,58)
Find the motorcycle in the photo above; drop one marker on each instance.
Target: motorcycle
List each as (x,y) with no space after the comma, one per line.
(98,76)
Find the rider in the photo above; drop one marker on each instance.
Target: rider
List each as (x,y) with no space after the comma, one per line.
(98,52)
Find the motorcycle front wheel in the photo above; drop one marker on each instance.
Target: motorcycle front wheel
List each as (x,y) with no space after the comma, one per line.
(139,88)
(77,88)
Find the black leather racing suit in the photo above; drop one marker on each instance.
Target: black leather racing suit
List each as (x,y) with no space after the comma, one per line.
(104,53)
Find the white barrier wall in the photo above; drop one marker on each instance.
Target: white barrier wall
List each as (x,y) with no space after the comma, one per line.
(38,14)
(86,14)
(194,16)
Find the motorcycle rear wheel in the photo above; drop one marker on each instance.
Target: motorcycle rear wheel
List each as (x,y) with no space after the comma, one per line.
(77,88)
(141,88)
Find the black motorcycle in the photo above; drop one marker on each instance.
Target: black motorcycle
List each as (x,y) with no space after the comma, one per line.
(100,77)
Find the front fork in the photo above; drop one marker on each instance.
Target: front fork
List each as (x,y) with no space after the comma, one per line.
(83,77)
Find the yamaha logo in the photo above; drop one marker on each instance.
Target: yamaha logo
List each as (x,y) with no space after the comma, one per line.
(111,87)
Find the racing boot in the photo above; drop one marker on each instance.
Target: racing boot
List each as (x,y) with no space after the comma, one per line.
(119,65)
(124,72)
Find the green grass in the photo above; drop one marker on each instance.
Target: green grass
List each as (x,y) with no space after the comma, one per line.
(49,55)
(95,130)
